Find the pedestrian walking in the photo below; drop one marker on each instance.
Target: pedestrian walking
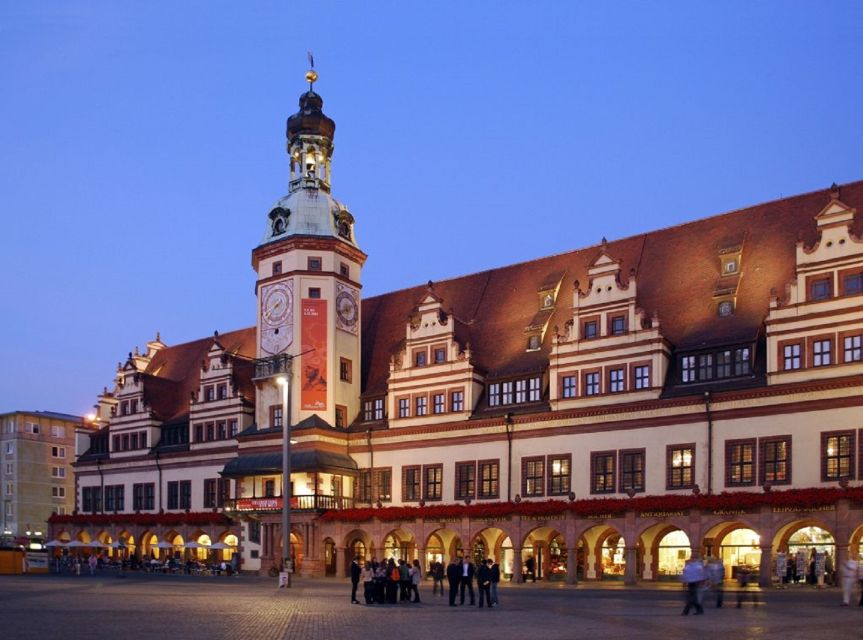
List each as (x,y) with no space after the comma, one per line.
(483,583)
(848,571)
(693,578)
(716,576)
(744,579)
(416,577)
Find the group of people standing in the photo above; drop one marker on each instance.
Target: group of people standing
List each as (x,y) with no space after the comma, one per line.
(393,582)
(698,577)
(386,582)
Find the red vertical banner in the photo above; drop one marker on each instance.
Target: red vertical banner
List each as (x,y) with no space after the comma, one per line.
(314,361)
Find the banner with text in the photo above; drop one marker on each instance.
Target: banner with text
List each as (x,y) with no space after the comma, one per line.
(314,363)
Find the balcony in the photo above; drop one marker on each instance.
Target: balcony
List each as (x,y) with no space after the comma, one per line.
(316,502)
(273,366)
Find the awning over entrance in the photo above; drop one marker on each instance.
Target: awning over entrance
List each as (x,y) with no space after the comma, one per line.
(301,461)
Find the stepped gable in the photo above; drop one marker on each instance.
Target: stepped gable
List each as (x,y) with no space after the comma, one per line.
(677,270)
(174,372)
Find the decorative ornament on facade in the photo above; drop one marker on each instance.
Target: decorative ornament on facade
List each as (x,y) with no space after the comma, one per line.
(347,308)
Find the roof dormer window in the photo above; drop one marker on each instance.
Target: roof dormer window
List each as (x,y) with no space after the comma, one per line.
(725,308)
(819,288)
(534,342)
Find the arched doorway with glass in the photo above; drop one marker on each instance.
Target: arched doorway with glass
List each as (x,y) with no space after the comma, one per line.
(399,545)
(296,550)
(612,555)
(358,544)
(545,551)
(442,545)
(495,544)
(736,544)
(329,557)
(811,548)
(855,546)
(149,546)
(666,550)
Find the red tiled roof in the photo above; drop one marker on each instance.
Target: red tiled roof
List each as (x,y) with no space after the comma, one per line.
(677,270)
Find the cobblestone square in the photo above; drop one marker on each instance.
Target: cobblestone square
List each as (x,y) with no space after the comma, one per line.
(191,608)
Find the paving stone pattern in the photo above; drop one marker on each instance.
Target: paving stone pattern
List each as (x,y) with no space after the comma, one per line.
(251,608)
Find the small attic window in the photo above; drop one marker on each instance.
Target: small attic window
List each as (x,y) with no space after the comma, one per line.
(729,267)
(725,308)
(533,342)
(345,230)
(547,301)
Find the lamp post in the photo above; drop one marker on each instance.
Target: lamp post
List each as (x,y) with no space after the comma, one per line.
(287,556)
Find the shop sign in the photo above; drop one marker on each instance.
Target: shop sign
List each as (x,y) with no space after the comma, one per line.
(827,507)
(450,519)
(602,516)
(661,514)
(729,512)
(258,504)
(490,521)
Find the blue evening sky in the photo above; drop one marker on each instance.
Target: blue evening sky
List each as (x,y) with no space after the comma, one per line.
(142,144)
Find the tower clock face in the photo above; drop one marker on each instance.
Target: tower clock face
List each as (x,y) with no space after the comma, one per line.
(347,309)
(277,317)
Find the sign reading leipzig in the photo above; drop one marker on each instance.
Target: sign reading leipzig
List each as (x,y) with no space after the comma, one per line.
(314,360)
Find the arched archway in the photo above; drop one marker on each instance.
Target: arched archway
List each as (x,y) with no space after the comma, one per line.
(494,543)
(602,553)
(737,544)
(399,544)
(149,548)
(357,543)
(330,556)
(666,550)
(442,545)
(811,546)
(543,555)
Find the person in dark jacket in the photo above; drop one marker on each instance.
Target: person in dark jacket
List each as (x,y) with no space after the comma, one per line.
(355,579)
(483,583)
(495,578)
(466,571)
(453,576)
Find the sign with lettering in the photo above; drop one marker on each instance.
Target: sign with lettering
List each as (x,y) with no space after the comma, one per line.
(661,514)
(263,504)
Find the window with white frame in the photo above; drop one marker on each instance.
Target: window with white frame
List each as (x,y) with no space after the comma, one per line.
(10,448)
(439,403)
(457,401)
(58,431)
(421,406)
(591,383)
(58,492)
(568,387)
(615,380)
(791,357)
(642,376)
(853,351)
(821,353)
(687,369)
(32,427)
(58,472)
(58,452)
(404,407)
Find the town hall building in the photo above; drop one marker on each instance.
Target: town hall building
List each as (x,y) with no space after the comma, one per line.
(606,413)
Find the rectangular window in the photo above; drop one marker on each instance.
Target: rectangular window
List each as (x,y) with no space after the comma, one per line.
(364,486)
(489,471)
(222,430)
(680,466)
(10,489)
(314,263)
(642,376)
(344,270)
(379,409)
(345,370)
(314,293)
(618,325)
(742,365)
(137,497)
(109,499)
(149,495)
(439,355)
(58,452)
(276,416)
(559,479)
(705,366)
(723,364)
(852,348)
(209,393)
(133,441)
(521,391)
(277,267)
(632,470)
(58,472)
(31,427)
(341,416)
(133,406)
(211,429)
(56,431)
(465,480)
(439,403)
(173,494)
(433,482)
(10,448)
(210,493)
(821,353)
(837,455)
(740,463)
(602,472)
(233,427)
(185,494)
(791,357)
(532,477)
(368,410)
(615,381)
(456,401)
(420,406)
(590,329)
(269,487)
(775,460)
(591,383)
(687,369)
(411,479)
(199,432)
(383,480)
(568,387)
(494,394)
(221,391)
(852,283)
(534,391)
(506,392)
(819,289)
(420,358)
(404,407)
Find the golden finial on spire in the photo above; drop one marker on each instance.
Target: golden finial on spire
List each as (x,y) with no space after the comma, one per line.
(311,74)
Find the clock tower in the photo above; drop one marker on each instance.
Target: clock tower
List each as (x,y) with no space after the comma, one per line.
(308,287)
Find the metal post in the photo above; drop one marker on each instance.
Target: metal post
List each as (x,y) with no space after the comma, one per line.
(287,556)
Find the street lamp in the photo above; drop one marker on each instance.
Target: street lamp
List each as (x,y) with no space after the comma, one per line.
(287,560)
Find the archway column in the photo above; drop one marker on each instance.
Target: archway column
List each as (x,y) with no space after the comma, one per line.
(341,560)
(421,556)
(630,571)
(572,564)
(516,564)
(765,569)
